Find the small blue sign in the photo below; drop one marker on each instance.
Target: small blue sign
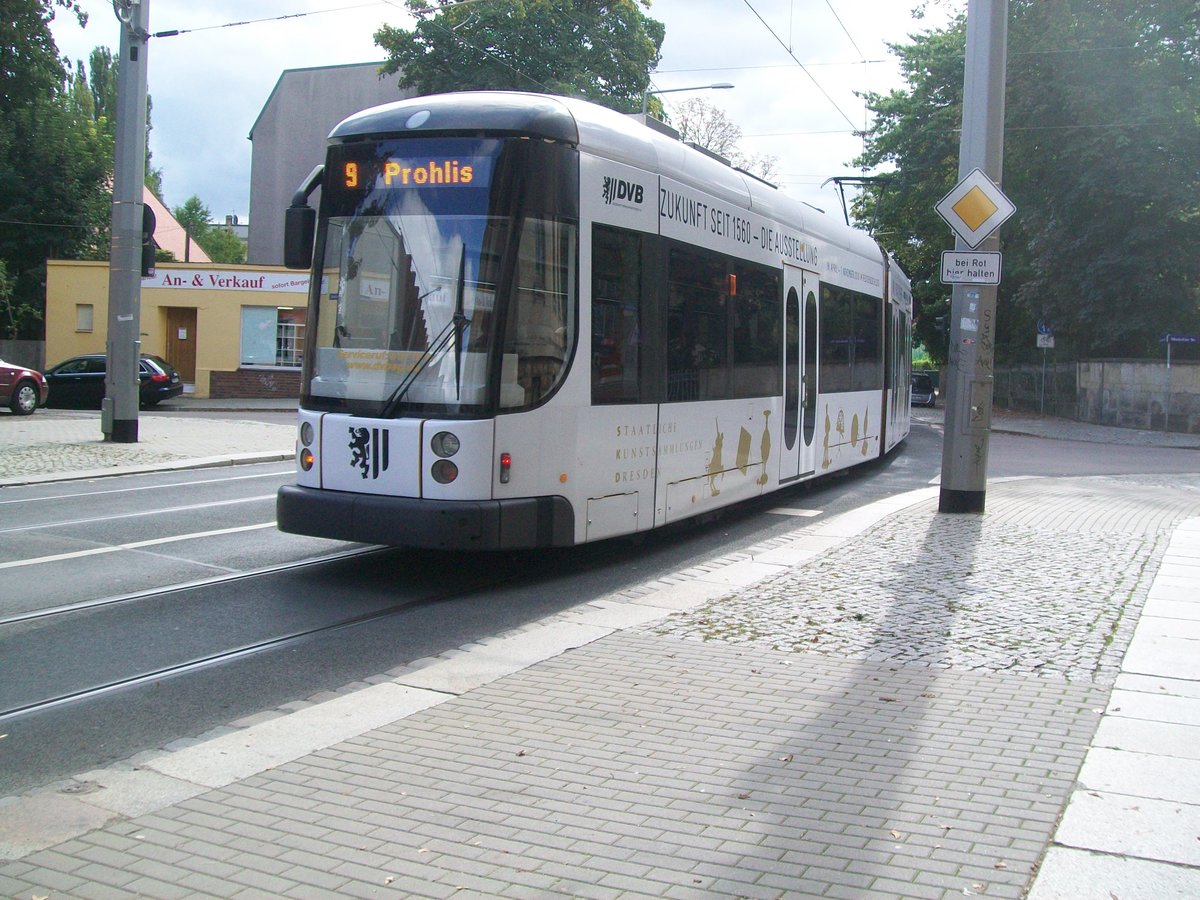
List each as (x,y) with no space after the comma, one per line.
(1180,339)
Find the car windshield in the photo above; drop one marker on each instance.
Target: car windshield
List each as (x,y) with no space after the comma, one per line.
(922,383)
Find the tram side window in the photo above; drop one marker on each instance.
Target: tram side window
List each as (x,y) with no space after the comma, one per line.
(697,349)
(851,340)
(836,339)
(755,321)
(867,368)
(616,314)
(541,326)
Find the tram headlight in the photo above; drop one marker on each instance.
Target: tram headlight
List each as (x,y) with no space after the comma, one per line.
(444,471)
(306,434)
(444,444)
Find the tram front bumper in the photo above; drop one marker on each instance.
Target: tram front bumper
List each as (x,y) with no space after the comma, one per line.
(433,524)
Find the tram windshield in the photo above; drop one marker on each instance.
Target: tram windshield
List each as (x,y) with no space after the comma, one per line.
(448,276)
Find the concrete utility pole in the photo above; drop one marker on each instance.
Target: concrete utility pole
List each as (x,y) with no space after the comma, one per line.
(119,411)
(973,306)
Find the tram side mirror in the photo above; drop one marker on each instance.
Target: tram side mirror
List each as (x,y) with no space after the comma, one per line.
(300,223)
(299,226)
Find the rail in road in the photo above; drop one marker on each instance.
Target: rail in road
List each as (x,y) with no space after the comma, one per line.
(35,660)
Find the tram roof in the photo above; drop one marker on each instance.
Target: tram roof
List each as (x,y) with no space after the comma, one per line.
(602,132)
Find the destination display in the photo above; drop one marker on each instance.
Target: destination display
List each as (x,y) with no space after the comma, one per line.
(400,173)
(414,165)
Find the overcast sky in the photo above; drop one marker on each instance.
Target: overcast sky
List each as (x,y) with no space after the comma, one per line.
(209,84)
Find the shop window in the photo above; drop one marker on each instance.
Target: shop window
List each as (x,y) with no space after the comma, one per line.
(272,336)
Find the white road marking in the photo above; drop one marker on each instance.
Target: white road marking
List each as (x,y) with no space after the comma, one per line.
(140,514)
(148,487)
(135,545)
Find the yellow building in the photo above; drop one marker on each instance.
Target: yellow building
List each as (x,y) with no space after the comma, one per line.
(231,331)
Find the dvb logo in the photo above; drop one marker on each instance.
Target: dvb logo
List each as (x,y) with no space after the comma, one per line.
(615,190)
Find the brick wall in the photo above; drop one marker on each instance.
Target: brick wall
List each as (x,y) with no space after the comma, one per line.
(247,383)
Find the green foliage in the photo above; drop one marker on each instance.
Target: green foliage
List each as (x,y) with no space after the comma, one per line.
(14,317)
(54,162)
(221,244)
(193,216)
(916,132)
(103,67)
(601,51)
(921,358)
(1109,148)
(1100,157)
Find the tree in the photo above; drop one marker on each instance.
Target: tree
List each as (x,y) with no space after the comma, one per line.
(700,123)
(104,69)
(221,244)
(54,163)
(1101,143)
(193,216)
(601,51)
(11,316)
(917,132)
(1108,146)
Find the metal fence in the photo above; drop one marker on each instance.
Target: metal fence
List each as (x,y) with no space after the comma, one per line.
(1050,389)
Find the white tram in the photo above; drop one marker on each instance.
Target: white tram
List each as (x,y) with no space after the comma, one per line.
(537,322)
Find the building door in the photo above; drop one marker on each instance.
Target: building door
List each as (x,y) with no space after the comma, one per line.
(181,341)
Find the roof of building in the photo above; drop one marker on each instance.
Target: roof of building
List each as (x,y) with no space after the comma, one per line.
(169,234)
(309,71)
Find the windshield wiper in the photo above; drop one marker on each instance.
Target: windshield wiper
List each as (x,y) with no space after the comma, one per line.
(459,321)
(451,333)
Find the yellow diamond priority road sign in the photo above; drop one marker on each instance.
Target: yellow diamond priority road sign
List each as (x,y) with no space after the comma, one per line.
(975,208)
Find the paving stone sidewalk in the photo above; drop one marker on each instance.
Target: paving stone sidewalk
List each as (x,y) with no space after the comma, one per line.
(825,716)
(53,443)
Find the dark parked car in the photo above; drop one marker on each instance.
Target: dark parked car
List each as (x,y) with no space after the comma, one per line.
(22,390)
(78,382)
(923,393)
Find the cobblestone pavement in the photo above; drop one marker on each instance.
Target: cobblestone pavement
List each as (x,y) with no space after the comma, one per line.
(899,710)
(54,442)
(894,743)
(1030,593)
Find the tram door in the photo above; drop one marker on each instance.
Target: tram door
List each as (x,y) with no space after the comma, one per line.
(799,373)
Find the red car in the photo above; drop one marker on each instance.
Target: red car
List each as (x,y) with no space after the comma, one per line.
(22,390)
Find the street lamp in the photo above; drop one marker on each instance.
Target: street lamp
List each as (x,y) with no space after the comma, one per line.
(719,86)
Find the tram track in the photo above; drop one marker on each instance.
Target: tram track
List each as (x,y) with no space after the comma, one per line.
(52,657)
(99,602)
(215,659)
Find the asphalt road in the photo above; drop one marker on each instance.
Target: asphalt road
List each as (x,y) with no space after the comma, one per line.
(222,617)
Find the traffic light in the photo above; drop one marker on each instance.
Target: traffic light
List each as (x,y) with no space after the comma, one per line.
(147,241)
